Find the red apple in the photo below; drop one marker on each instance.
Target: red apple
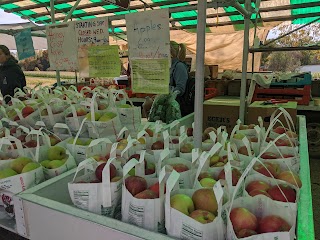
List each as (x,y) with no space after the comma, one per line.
(269,155)
(204,175)
(206,132)
(281,143)
(155,188)
(243,151)
(189,132)
(186,148)
(205,199)
(242,218)
(243,127)
(150,168)
(158,145)
(16,118)
(273,223)
(277,195)
(13,131)
(257,185)
(256,192)
(146,194)
(254,139)
(202,216)
(99,169)
(136,156)
(290,177)
(22,137)
(31,144)
(245,233)
(175,141)
(235,176)
(179,167)
(264,169)
(135,184)
(27,110)
(150,132)
(279,130)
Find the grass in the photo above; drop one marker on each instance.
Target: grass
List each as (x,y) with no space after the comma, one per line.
(45,78)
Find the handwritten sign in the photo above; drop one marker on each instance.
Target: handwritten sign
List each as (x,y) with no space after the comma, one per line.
(150,76)
(104,61)
(92,31)
(24,44)
(148,34)
(120,3)
(62,46)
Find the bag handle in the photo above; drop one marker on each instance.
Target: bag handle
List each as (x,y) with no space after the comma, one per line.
(87,164)
(106,183)
(7,141)
(287,117)
(165,154)
(172,183)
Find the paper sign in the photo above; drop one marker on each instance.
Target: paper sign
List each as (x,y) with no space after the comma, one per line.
(104,61)
(120,3)
(148,34)
(62,46)
(24,44)
(150,76)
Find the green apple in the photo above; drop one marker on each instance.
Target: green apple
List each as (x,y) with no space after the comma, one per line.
(30,166)
(78,142)
(207,182)
(87,143)
(202,216)
(239,136)
(56,153)
(124,106)
(182,203)
(18,164)
(45,163)
(55,164)
(214,159)
(7,172)
(96,116)
(132,172)
(107,116)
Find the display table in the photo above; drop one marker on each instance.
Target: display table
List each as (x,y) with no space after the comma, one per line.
(46,211)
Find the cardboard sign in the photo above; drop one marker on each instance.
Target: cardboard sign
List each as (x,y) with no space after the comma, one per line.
(104,61)
(24,44)
(148,34)
(150,76)
(62,46)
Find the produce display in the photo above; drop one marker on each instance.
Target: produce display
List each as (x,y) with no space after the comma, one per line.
(235,186)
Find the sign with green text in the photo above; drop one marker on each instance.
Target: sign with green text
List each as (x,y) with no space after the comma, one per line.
(104,61)
(150,75)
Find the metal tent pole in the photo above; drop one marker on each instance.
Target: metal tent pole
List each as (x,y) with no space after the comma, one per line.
(53,21)
(198,105)
(243,90)
(72,10)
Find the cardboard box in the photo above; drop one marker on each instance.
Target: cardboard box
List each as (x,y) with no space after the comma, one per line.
(257,109)
(221,112)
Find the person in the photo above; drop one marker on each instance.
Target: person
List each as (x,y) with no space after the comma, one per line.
(178,73)
(11,75)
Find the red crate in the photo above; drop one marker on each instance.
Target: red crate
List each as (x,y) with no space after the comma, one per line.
(299,94)
(210,93)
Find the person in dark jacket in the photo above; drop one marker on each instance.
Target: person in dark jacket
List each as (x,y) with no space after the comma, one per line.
(11,75)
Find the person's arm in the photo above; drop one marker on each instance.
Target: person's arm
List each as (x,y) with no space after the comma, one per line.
(180,77)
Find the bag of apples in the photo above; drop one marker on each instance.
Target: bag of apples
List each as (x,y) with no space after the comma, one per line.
(61,131)
(193,214)
(105,123)
(52,112)
(20,172)
(143,198)
(74,116)
(96,187)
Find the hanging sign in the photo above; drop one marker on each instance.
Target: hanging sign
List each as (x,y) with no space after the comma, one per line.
(90,32)
(62,46)
(149,51)
(120,3)
(24,44)
(104,61)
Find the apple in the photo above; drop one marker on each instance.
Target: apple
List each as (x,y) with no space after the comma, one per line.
(56,153)
(206,132)
(19,163)
(204,175)
(205,199)
(239,136)
(273,223)
(150,132)
(254,139)
(175,141)
(207,182)
(44,112)
(96,116)
(291,134)
(279,130)
(243,127)
(107,117)
(209,140)
(277,195)
(149,167)
(102,106)
(158,145)
(235,176)
(290,177)
(243,151)
(7,172)
(99,169)
(251,126)
(287,156)
(281,143)
(257,185)
(214,159)
(268,170)
(180,167)
(45,163)
(256,192)
(189,132)
(116,179)
(99,158)
(242,218)
(55,164)
(54,140)
(22,137)
(30,166)
(30,144)
(182,203)
(146,194)
(142,140)
(269,155)
(202,216)
(135,184)
(186,148)
(95,181)
(26,111)
(13,131)
(245,233)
